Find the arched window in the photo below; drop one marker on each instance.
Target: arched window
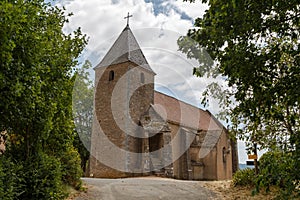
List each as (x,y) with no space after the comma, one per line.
(142,78)
(111,75)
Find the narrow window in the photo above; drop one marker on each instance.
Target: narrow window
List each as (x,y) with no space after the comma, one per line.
(142,78)
(224,154)
(111,75)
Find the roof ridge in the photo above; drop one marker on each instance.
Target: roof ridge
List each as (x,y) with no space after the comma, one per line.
(182,101)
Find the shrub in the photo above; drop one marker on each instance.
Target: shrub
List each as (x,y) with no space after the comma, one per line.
(43,178)
(72,171)
(277,168)
(10,179)
(244,177)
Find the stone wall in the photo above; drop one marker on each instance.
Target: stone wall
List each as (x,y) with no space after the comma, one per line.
(119,103)
(224,157)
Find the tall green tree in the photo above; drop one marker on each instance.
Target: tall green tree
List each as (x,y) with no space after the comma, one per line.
(37,61)
(255,47)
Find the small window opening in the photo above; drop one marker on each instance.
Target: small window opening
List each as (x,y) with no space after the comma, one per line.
(142,78)
(111,75)
(224,154)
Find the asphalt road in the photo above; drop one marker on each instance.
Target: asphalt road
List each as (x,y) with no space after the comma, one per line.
(147,188)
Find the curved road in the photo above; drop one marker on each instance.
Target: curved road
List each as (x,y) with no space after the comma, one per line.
(146,188)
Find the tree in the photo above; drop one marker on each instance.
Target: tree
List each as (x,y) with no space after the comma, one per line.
(37,60)
(255,47)
(83,103)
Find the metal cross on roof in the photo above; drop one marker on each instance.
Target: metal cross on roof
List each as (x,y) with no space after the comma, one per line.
(128,16)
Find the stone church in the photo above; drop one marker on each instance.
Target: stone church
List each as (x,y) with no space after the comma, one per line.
(138,131)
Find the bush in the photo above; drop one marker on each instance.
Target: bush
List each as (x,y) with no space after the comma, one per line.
(43,178)
(277,169)
(72,171)
(10,179)
(244,177)
(39,177)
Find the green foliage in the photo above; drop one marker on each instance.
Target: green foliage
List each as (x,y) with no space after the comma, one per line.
(70,160)
(277,169)
(39,177)
(36,63)
(10,180)
(37,60)
(83,99)
(257,53)
(42,178)
(255,48)
(82,145)
(244,177)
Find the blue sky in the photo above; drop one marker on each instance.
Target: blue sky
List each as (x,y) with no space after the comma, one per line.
(164,7)
(157,24)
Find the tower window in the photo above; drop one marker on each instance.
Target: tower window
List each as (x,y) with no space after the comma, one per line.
(111,75)
(142,78)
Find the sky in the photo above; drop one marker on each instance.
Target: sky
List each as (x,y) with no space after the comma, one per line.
(156,24)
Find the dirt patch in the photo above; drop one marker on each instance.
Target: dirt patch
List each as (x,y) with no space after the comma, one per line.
(226,191)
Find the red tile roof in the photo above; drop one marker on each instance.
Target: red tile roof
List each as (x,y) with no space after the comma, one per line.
(179,112)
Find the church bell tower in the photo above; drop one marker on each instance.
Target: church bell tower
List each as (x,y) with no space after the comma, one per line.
(124,91)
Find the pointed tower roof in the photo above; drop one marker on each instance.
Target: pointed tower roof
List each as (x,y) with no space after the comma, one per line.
(125,48)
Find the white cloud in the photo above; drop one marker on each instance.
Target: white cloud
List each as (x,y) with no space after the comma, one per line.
(194,10)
